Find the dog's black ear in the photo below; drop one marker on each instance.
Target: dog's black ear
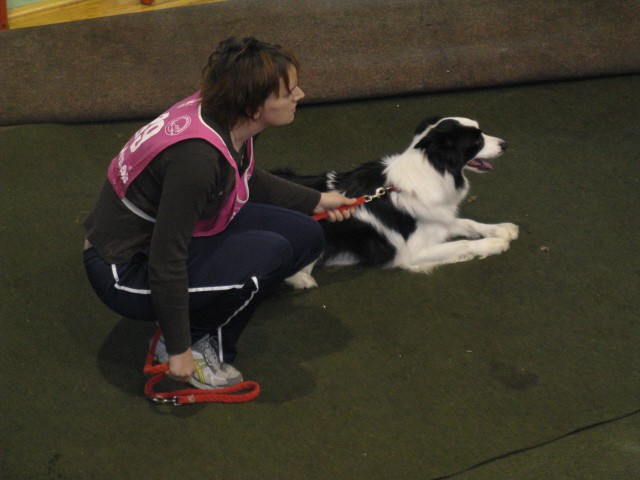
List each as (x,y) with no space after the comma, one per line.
(437,140)
(441,151)
(425,144)
(426,123)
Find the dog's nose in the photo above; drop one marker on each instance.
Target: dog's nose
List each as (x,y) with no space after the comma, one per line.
(503,145)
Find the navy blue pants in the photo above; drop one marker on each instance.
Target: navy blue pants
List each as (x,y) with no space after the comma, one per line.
(229,273)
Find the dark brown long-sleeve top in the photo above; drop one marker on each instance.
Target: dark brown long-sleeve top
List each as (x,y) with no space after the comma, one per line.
(183,184)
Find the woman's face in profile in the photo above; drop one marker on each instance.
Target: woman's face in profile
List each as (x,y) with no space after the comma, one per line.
(280,109)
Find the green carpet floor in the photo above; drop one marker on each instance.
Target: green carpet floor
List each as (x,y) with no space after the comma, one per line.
(376,374)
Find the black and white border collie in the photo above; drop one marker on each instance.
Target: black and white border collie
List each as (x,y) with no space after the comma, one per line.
(415,225)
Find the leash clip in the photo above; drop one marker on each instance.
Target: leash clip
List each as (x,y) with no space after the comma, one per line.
(380,191)
(165,400)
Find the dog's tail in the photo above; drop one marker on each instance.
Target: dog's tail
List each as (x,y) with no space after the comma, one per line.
(317,182)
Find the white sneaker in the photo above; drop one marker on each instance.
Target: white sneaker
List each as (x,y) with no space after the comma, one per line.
(210,372)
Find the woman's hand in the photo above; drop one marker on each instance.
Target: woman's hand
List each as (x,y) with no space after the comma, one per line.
(181,366)
(330,202)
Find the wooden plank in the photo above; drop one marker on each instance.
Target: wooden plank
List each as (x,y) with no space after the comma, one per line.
(49,12)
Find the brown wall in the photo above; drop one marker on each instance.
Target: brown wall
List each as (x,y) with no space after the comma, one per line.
(134,66)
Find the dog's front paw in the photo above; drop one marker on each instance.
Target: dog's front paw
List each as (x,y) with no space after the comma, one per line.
(507,231)
(490,246)
(301,281)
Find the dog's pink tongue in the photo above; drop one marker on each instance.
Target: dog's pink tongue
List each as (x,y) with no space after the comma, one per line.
(481,164)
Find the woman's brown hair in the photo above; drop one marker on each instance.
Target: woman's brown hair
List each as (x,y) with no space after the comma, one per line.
(240,76)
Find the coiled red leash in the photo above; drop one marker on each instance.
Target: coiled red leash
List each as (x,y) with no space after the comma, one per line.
(240,393)
(380,191)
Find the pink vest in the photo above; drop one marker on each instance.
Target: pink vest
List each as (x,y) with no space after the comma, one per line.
(181,122)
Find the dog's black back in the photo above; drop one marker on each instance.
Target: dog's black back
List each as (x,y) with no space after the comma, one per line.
(355,238)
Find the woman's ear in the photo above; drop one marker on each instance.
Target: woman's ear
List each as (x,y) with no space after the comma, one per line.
(258,114)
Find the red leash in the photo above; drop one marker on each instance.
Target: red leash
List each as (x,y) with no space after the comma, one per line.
(323,215)
(240,393)
(364,199)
